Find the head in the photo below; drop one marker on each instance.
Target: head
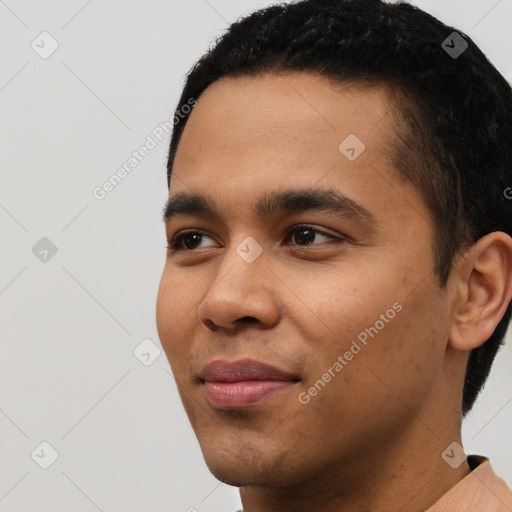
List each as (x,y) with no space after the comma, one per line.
(298,105)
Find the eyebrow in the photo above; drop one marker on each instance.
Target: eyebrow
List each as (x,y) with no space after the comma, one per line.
(272,204)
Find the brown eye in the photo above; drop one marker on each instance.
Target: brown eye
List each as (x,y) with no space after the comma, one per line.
(188,239)
(305,234)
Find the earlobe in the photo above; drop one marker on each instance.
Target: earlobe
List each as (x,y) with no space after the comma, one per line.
(484,278)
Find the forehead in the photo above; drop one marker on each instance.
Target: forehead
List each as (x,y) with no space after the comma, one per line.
(291,115)
(251,134)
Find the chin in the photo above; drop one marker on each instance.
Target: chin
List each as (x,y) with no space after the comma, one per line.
(234,463)
(239,475)
(230,476)
(247,464)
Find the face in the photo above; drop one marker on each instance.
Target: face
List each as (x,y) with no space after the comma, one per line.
(340,301)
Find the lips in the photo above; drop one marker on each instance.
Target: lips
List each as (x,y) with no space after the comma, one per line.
(243,383)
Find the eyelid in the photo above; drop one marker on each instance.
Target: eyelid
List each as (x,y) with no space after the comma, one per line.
(312,227)
(180,234)
(173,242)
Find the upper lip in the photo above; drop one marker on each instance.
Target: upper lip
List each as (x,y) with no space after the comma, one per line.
(242,369)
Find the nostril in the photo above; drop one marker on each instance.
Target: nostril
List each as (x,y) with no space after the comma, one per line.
(248,319)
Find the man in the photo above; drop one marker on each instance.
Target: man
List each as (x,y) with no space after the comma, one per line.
(339,272)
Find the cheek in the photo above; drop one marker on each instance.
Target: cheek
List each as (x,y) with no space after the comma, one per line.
(174,310)
(389,379)
(165,308)
(382,330)
(406,358)
(344,306)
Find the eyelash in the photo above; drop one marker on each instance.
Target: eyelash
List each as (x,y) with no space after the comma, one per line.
(173,244)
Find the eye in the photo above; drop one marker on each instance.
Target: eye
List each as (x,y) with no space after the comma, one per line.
(192,237)
(307,236)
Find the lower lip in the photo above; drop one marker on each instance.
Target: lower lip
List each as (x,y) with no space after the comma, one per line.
(237,395)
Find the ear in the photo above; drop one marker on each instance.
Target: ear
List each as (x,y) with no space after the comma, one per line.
(483,280)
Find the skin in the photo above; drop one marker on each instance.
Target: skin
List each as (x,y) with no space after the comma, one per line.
(372,439)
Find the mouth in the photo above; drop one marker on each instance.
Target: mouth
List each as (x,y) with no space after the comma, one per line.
(243,383)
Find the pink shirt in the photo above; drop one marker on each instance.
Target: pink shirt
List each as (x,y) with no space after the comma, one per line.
(480,491)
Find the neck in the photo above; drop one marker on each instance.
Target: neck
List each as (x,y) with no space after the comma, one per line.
(389,480)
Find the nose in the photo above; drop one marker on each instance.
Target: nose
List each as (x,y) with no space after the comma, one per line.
(242,291)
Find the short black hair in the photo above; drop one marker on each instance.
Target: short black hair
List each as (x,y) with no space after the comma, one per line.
(453,137)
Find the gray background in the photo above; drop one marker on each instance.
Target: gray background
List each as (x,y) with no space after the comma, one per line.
(70,323)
